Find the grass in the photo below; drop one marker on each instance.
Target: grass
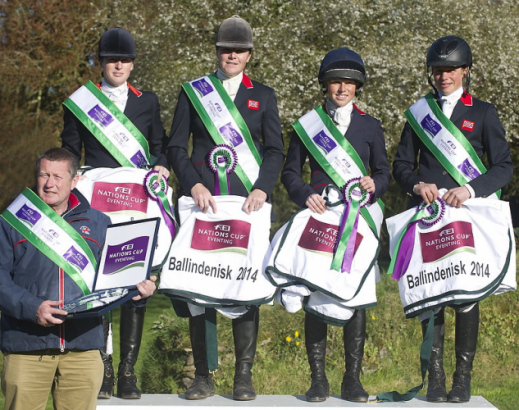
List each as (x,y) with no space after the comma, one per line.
(391,359)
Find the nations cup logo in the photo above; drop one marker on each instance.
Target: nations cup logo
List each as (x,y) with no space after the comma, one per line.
(76,259)
(232,135)
(321,237)
(450,239)
(324,142)
(126,255)
(101,116)
(431,126)
(221,236)
(119,197)
(202,87)
(28,215)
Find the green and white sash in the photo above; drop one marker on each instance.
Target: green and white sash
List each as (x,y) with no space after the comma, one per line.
(54,237)
(336,156)
(225,124)
(446,142)
(110,126)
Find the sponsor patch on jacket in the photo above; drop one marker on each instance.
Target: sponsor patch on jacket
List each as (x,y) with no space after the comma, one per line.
(85,230)
(467,125)
(253,105)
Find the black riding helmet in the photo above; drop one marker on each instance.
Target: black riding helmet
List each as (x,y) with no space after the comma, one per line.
(117,42)
(342,63)
(449,51)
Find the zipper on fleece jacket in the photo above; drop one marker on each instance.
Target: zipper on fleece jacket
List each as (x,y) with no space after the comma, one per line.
(62,298)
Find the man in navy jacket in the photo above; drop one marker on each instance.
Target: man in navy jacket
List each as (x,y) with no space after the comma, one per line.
(41,350)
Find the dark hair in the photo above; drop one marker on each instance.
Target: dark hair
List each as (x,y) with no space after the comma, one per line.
(60,154)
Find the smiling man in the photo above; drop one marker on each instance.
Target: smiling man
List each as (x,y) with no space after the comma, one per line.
(460,134)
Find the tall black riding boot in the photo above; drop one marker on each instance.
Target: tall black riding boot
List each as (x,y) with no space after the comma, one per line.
(467,326)
(436,391)
(107,388)
(131,325)
(315,340)
(354,337)
(245,332)
(203,385)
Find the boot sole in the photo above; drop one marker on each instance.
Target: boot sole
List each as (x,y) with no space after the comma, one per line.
(362,400)
(437,400)
(198,397)
(316,399)
(241,398)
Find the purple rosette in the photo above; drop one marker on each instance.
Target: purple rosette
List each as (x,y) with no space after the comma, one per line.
(222,161)
(427,215)
(156,189)
(355,198)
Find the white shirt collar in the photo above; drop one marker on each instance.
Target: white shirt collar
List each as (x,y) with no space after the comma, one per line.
(118,95)
(231,84)
(448,102)
(341,115)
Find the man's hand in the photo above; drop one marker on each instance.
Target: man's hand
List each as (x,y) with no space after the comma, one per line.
(428,192)
(162,171)
(203,198)
(316,203)
(367,184)
(45,312)
(254,201)
(146,287)
(456,196)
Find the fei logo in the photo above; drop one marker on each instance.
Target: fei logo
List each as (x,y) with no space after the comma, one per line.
(224,228)
(444,242)
(332,231)
(123,189)
(127,247)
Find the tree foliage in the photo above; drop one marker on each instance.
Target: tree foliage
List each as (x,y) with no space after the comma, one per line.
(48,48)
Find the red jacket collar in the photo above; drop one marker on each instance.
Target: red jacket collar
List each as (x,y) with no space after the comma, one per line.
(246,81)
(466,98)
(357,108)
(73,201)
(130,87)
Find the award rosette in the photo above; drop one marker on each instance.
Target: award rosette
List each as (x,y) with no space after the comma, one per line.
(355,199)
(222,161)
(217,260)
(427,215)
(303,254)
(157,190)
(443,255)
(128,194)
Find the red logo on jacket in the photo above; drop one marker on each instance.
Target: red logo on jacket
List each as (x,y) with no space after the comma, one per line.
(468,125)
(253,105)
